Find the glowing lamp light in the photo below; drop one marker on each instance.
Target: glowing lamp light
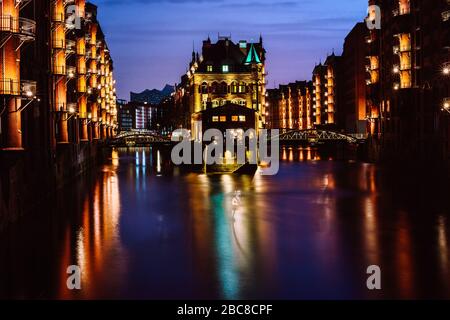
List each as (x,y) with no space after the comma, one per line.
(395,69)
(446,71)
(29,94)
(446,105)
(71,110)
(396,87)
(71,75)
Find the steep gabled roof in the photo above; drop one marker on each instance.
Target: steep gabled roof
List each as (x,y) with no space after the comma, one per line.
(252,56)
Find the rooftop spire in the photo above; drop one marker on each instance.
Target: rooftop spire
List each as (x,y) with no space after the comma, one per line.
(252,56)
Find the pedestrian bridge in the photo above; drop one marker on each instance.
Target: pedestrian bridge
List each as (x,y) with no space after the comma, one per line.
(146,137)
(318,136)
(137,138)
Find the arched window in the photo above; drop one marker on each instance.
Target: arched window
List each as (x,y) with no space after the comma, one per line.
(215,87)
(234,87)
(204,88)
(224,88)
(240,102)
(215,103)
(242,87)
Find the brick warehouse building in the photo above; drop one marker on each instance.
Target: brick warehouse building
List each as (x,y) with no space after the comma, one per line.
(57,96)
(408,80)
(403,101)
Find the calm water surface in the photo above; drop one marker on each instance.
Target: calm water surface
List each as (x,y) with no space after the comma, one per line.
(139,228)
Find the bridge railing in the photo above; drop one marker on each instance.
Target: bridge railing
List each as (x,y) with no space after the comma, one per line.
(315,135)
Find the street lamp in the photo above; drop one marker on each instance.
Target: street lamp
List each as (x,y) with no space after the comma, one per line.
(446,70)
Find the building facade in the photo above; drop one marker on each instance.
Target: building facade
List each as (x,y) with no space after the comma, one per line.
(327,81)
(353,84)
(57,96)
(126,116)
(225,73)
(291,106)
(408,79)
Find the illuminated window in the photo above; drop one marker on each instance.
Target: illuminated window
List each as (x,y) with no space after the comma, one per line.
(223,118)
(234,118)
(242,118)
(234,87)
(209,68)
(215,118)
(225,68)
(242,87)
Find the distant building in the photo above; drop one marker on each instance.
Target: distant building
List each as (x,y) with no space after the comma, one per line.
(273,109)
(291,106)
(353,85)
(154,96)
(126,116)
(143,116)
(326,81)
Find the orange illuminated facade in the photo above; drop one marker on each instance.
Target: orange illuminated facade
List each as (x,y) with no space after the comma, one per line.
(407,85)
(84,98)
(57,97)
(60,63)
(16,31)
(291,106)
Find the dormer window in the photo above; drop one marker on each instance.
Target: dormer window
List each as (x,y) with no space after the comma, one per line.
(225,68)
(209,68)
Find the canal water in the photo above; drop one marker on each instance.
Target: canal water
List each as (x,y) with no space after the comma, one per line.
(141,229)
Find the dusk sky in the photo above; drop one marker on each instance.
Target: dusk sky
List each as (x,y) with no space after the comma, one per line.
(151,40)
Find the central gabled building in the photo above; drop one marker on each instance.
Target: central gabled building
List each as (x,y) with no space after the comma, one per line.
(226,73)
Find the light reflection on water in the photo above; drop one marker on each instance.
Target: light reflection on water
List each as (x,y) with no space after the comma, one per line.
(142,229)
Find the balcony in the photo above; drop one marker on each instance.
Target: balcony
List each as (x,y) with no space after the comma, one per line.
(405,10)
(406,84)
(59,44)
(24,28)
(405,46)
(57,17)
(405,67)
(9,87)
(59,70)
(81,50)
(81,88)
(81,70)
